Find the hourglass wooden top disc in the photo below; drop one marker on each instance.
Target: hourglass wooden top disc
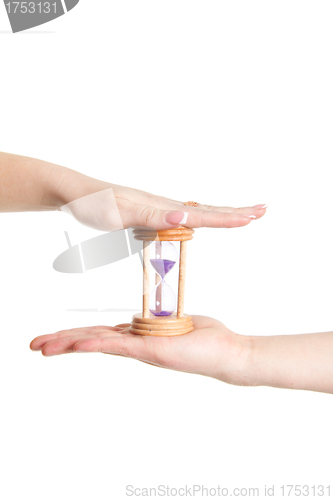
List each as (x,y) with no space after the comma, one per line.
(177,234)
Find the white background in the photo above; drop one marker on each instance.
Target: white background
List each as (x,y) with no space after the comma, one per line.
(227,103)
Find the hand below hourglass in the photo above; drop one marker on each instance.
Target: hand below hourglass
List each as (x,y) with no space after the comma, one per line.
(286,361)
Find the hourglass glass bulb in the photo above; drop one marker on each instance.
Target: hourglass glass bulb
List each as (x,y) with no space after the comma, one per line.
(162,300)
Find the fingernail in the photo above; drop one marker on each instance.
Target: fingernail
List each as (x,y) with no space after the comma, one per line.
(81,352)
(260,206)
(251,216)
(176,217)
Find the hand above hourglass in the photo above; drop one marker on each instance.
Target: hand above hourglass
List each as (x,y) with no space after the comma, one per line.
(286,361)
(28,184)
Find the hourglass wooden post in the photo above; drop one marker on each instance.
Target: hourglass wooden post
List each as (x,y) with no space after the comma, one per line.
(162,313)
(181,279)
(146,263)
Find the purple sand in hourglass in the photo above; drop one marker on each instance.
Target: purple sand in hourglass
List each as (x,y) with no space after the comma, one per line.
(161,313)
(162,266)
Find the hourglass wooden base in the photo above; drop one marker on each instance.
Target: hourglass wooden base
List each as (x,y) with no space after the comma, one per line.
(168,326)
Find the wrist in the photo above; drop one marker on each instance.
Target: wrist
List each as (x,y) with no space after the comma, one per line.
(264,367)
(248,364)
(235,359)
(253,366)
(247,361)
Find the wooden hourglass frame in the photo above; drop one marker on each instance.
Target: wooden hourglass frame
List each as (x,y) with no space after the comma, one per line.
(178,323)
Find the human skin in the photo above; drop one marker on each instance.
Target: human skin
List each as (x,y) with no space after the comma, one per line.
(28,184)
(287,361)
(295,361)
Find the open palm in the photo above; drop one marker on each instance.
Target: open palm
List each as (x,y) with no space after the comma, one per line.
(211,349)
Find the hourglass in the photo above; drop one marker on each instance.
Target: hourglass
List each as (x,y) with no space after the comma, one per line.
(163,311)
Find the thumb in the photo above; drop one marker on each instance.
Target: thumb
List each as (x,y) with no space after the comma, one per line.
(158,219)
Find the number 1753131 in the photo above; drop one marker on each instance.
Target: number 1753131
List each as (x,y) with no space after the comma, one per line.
(31,7)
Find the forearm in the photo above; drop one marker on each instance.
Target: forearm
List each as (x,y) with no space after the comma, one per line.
(292,361)
(28,184)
